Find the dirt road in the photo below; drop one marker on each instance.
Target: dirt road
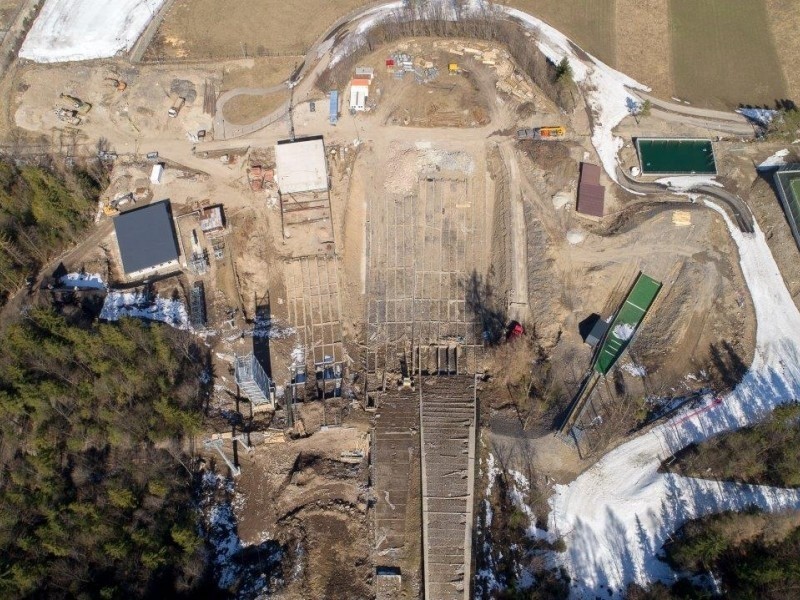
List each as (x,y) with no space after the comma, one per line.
(715,120)
(518,300)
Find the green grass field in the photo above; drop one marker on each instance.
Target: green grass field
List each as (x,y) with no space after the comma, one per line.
(723,53)
(795,200)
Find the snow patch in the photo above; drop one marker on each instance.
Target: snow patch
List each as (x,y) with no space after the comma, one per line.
(575,237)
(624,331)
(634,369)
(616,516)
(67,30)
(776,160)
(136,305)
(684,183)
(84,281)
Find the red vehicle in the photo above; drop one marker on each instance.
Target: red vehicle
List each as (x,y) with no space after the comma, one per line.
(514,330)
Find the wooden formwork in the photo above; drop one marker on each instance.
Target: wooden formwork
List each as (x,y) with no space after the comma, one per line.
(423,252)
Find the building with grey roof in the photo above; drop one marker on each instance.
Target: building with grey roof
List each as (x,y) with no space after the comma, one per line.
(146,238)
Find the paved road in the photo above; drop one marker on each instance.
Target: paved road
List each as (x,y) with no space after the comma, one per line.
(715,120)
(740,210)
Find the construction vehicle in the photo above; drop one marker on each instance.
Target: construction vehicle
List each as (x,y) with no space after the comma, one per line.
(78,104)
(176,107)
(68,116)
(111,207)
(542,133)
(514,330)
(120,85)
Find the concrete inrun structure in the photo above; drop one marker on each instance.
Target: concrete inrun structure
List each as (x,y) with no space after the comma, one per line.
(447,427)
(254,381)
(146,238)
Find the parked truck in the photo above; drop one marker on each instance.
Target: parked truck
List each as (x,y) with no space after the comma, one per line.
(176,107)
(554,132)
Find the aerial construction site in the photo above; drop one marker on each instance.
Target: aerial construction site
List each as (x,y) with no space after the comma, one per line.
(450,271)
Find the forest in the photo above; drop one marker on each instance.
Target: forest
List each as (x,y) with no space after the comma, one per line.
(41,213)
(96,480)
(750,555)
(767,453)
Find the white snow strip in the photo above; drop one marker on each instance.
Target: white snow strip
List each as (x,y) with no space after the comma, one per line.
(68,30)
(603,87)
(135,305)
(776,160)
(616,516)
(83,281)
(684,183)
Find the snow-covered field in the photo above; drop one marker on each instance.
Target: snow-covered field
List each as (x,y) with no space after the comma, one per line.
(130,304)
(617,515)
(68,30)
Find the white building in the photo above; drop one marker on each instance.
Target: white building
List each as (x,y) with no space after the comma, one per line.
(359,92)
(300,166)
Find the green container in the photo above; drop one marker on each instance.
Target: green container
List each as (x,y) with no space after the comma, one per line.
(625,324)
(670,156)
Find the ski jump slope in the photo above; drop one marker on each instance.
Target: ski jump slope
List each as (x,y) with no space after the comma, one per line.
(618,514)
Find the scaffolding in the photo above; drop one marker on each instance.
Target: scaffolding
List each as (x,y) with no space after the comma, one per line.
(253,381)
(197,305)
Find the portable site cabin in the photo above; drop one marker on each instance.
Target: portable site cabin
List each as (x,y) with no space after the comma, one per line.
(359,92)
(334,107)
(156,173)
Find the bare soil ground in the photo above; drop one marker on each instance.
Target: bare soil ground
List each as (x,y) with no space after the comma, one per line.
(245,109)
(8,11)
(724,53)
(244,28)
(300,493)
(450,101)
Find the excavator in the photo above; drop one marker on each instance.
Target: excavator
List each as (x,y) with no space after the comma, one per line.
(78,104)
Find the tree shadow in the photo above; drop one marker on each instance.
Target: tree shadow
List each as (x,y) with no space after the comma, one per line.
(480,300)
(261,328)
(727,364)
